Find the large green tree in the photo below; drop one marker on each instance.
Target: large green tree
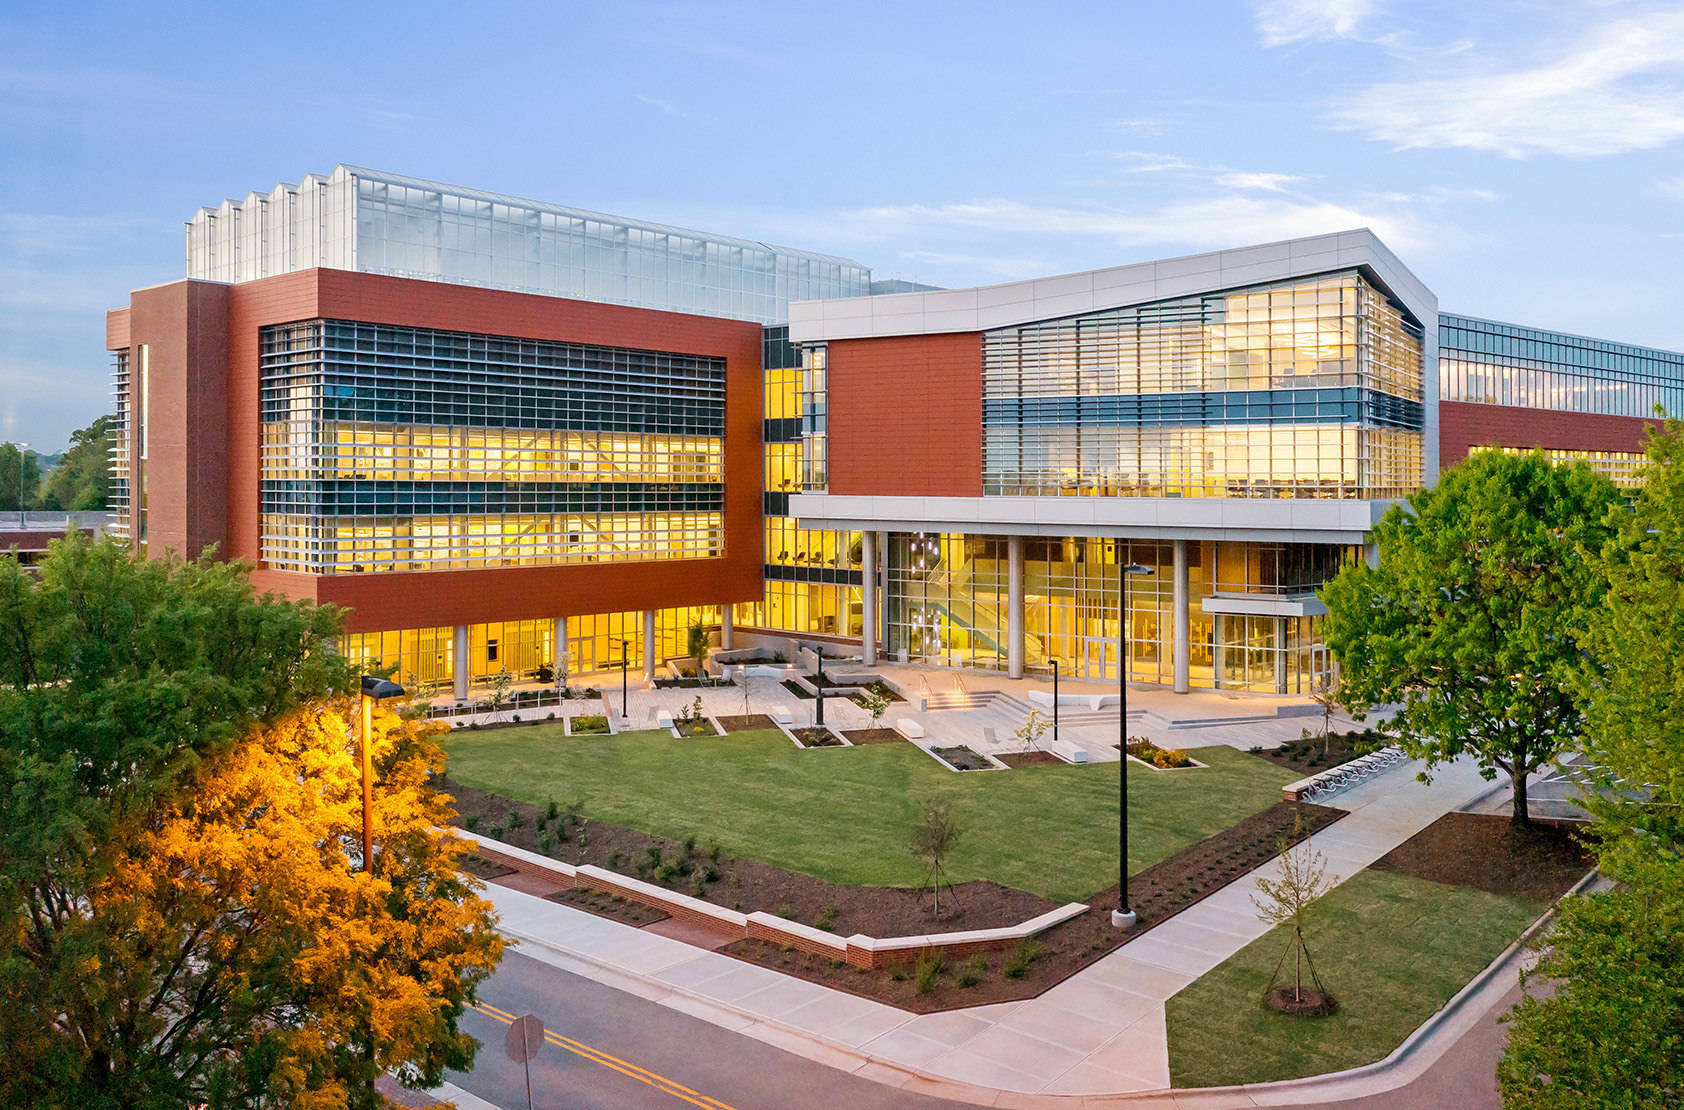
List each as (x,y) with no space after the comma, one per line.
(1611,1033)
(1469,621)
(185,918)
(18,465)
(82,479)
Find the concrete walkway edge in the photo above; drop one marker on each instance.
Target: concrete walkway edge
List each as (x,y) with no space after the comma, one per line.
(1405,1063)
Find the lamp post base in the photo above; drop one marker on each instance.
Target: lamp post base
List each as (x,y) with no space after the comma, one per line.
(1123,919)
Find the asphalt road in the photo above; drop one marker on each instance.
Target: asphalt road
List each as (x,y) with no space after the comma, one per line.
(620,1052)
(608,1050)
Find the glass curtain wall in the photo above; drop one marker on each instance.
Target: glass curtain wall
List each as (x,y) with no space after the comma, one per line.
(1485,362)
(1301,389)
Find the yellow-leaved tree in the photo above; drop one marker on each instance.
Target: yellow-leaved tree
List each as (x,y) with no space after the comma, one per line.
(229,949)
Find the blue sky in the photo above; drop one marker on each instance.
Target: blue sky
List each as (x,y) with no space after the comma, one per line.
(1525,159)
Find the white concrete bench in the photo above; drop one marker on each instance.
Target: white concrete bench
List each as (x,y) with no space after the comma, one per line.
(782,715)
(663,719)
(909,728)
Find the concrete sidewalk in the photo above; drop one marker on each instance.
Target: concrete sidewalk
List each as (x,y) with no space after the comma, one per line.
(1099,1033)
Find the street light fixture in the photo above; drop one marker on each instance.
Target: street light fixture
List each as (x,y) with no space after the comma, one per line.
(625,667)
(23,451)
(1123,917)
(373,690)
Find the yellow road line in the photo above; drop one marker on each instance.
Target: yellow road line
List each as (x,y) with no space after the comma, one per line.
(596,1055)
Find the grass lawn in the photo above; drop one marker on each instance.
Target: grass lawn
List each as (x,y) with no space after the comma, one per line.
(1391,948)
(846,814)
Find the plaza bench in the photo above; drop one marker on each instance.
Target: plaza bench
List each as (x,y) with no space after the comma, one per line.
(909,728)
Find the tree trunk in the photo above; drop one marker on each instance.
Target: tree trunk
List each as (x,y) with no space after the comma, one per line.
(1522,812)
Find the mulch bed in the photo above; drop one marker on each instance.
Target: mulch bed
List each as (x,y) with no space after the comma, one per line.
(746,722)
(873,736)
(877,686)
(962,758)
(1489,852)
(814,737)
(694,727)
(1307,758)
(746,885)
(1028,759)
(796,689)
(481,868)
(611,906)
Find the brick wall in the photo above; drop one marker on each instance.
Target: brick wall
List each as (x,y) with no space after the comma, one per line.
(1463,426)
(905,415)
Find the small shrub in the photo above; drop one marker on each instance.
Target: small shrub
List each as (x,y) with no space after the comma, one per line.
(689,846)
(713,851)
(497,832)
(551,717)
(545,843)
(552,811)
(971,974)
(515,717)
(786,911)
(931,965)
(665,872)
(471,822)
(653,856)
(515,819)
(542,821)
(709,874)
(1022,956)
(897,972)
(615,860)
(698,885)
(827,917)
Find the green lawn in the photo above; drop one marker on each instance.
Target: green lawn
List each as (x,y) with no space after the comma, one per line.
(845,814)
(1391,948)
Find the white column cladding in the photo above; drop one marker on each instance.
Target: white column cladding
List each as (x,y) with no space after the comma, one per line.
(727,627)
(649,645)
(1014,607)
(1182,619)
(868,597)
(459,661)
(559,663)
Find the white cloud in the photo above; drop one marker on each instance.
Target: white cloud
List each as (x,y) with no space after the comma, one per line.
(1618,87)
(1282,22)
(1273,182)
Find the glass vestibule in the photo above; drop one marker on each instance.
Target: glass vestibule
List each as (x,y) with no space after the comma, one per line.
(947,605)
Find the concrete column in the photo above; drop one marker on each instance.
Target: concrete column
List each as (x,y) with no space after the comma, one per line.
(1182,627)
(559,662)
(868,598)
(727,627)
(649,645)
(459,661)
(1014,607)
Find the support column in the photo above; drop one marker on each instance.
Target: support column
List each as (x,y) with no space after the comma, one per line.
(868,598)
(1014,607)
(1182,627)
(459,661)
(559,662)
(649,645)
(727,627)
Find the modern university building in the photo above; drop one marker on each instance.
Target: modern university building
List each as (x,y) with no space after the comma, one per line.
(505,433)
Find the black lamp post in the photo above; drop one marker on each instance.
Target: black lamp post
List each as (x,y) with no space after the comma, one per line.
(1055,702)
(625,666)
(373,690)
(818,706)
(1123,917)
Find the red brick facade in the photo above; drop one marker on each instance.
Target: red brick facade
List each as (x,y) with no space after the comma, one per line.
(905,415)
(1463,426)
(202,474)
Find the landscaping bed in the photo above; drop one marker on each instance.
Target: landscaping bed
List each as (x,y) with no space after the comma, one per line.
(703,870)
(481,868)
(873,736)
(694,726)
(1164,759)
(1306,755)
(1028,759)
(815,736)
(877,686)
(796,688)
(591,724)
(962,758)
(612,906)
(1490,852)
(746,722)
